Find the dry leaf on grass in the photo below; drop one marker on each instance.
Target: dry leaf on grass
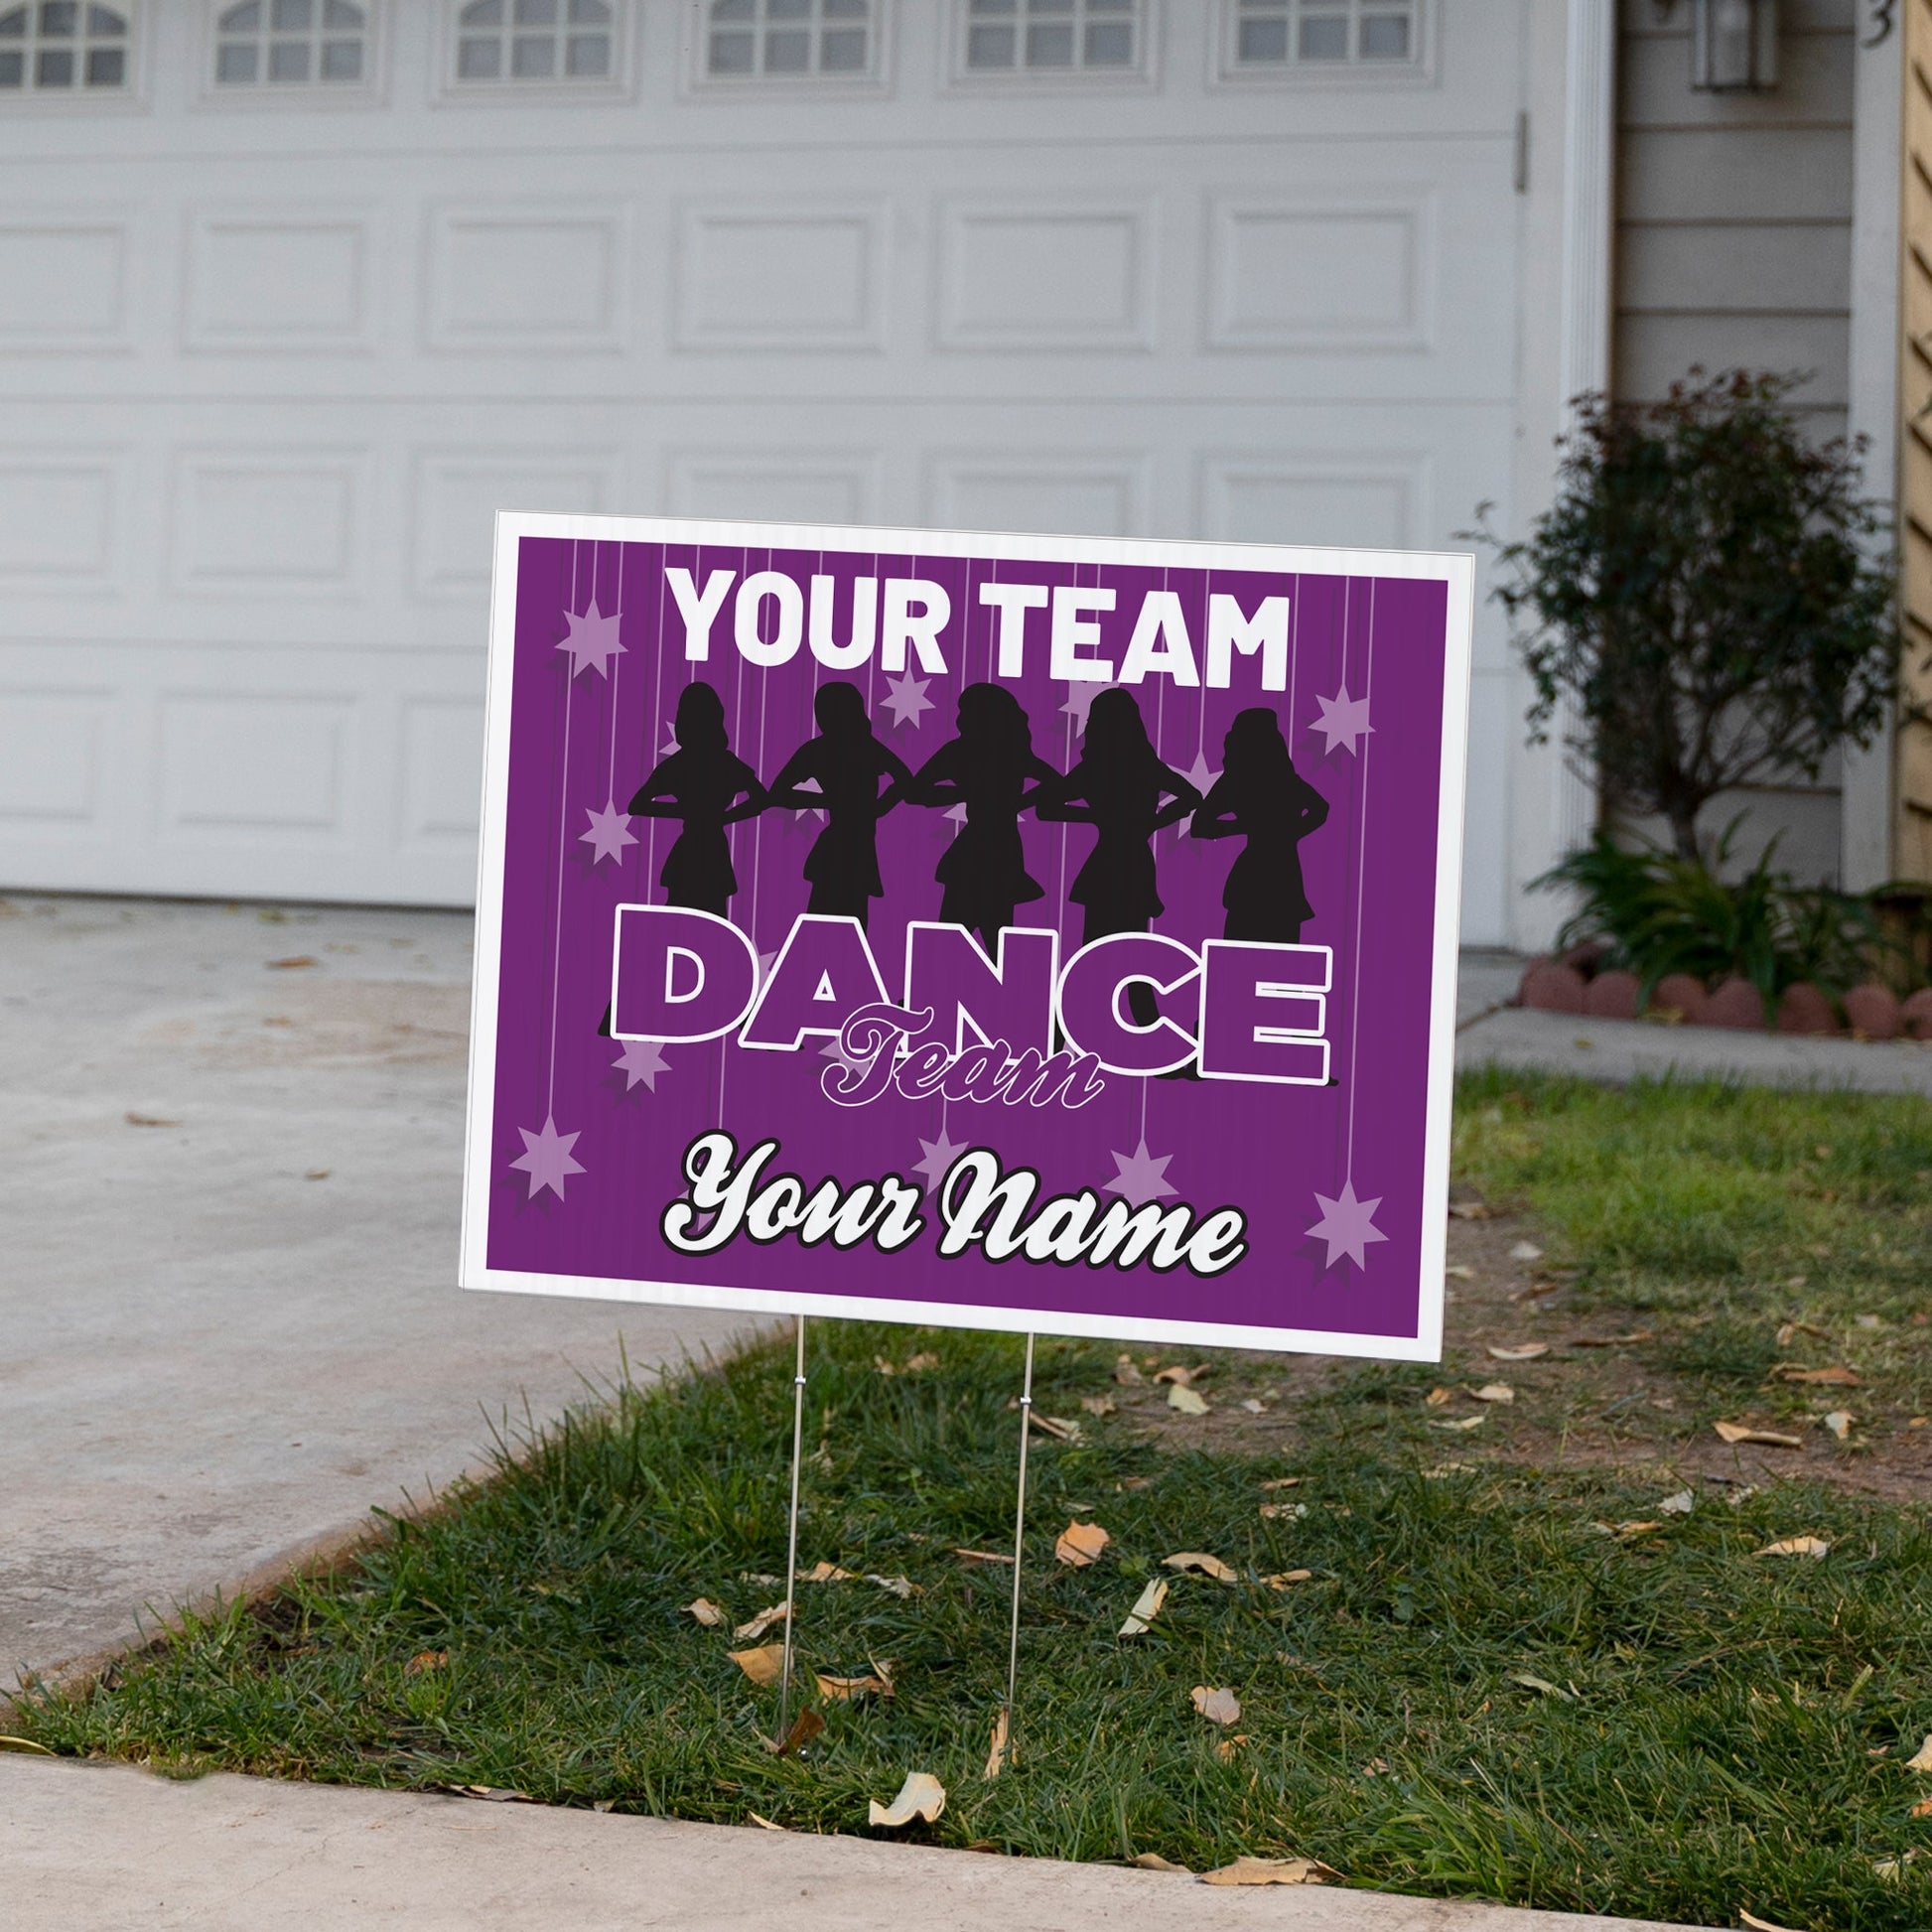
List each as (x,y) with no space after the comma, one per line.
(1526,1251)
(425,1660)
(1525,1351)
(925,1358)
(1079,1543)
(1795,1546)
(1098,1405)
(1791,1329)
(1923,1761)
(1817,1378)
(755,1628)
(825,1573)
(1056,1427)
(1154,1862)
(764,1824)
(1461,1423)
(1681,1503)
(1202,1562)
(805,1727)
(1176,1372)
(1225,1747)
(1442,1470)
(1291,1511)
(1217,1707)
(1636,1529)
(1253,1407)
(1739,1432)
(8,1743)
(921,1796)
(1283,1578)
(1438,1397)
(1612,1341)
(899,1585)
(1760,1924)
(1271,1872)
(1283,1482)
(1147,1607)
(1125,1373)
(996,1758)
(1470,1210)
(981,1556)
(1923,1809)
(848,1690)
(764,1665)
(1839,1422)
(1495,1392)
(755,1577)
(491,1794)
(1181,1397)
(1542,1686)
(1461,1272)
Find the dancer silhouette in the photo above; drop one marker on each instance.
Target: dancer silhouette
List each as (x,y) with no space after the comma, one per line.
(985,768)
(699,784)
(847,763)
(1260,797)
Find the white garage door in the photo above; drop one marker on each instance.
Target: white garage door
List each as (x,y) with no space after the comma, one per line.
(293,294)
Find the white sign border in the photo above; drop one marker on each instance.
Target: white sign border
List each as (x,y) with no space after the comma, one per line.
(1454,569)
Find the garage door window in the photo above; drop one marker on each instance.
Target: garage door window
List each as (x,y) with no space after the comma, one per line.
(64,47)
(1052,36)
(291,44)
(779,40)
(1271,34)
(535,42)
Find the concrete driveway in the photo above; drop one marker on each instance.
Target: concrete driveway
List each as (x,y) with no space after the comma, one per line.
(228,1208)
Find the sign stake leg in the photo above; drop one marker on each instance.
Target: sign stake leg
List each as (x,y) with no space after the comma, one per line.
(791,1540)
(1019,1532)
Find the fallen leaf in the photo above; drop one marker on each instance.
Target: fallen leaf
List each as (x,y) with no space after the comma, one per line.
(491,1794)
(1154,1862)
(899,1585)
(293,961)
(1136,1482)
(764,1824)
(1791,1329)
(1681,1503)
(1293,1511)
(755,1577)
(8,1743)
(755,1628)
(848,1690)
(921,1796)
(1200,1562)
(1436,1398)
(1839,1422)
(425,1660)
(1442,1470)
(1737,1431)
(150,1120)
(996,1758)
(1923,1809)
(1541,1685)
(1098,1405)
(1283,1578)
(1470,1210)
(1760,1924)
(1376,1767)
(1181,1397)
(1890,1868)
(1056,1427)
(1495,1392)
(1526,1251)
(1636,1529)
(825,1573)
(925,1358)
(1176,1373)
(1526,1352)
(1283,1482)
(1217,1707)
(805,1727)
(1271,1872)
(1147,1607)
(1612,1341)
(981,1556)
(763,1665)
(1923,1761)
(1795,1546)
(1817,1378)
(1460,1272)
(1225,1747)
(1125,1373)
(1081,1542)
(1253,1407)
(1462,1423)
(882,1366)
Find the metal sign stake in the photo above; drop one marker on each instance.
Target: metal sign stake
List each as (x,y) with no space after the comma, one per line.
(1019,1534)
(791,1543)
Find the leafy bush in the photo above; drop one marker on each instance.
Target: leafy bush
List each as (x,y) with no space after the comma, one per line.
(1661,913)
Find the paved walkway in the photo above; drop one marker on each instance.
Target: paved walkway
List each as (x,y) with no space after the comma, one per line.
(89,1846)
(228,1332)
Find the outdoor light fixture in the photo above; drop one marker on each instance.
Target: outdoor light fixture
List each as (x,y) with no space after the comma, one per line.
(1734,46)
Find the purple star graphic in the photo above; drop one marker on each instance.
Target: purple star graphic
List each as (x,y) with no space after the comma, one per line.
(609,832)
(939,1156)
(669,745)
(958,813)
(642,1059)
(906,700)
(593,639)
(1141,1178)
(1079,701)
(1346,1224)
(832,1051)
(808,811)
(1202,779)
(546,1157)
(1343,720)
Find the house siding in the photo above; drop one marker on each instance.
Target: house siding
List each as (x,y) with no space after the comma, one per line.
(1912,829)
(1734,249)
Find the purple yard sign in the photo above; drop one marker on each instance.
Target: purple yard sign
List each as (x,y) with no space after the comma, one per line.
(1021,933)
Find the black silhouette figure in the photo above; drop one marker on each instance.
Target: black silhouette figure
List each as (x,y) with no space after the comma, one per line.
(985,768)
(847,763)
(700,785)
(1260,796)
(1120,782)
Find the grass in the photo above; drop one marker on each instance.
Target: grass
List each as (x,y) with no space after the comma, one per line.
(1722,1732)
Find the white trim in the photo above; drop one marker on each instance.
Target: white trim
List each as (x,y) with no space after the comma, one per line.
(1866,803)
(1456,570)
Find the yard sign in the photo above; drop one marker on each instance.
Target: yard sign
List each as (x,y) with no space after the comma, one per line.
(1018,932)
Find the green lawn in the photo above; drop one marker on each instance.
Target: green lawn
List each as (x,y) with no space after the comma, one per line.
(1720,1730)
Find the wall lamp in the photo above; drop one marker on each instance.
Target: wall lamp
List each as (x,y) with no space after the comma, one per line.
(1734,46)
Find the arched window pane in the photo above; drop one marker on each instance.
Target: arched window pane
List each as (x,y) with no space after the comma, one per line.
(1052,36)
(291,44)
(789,38)
(64,46)
(535,41)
